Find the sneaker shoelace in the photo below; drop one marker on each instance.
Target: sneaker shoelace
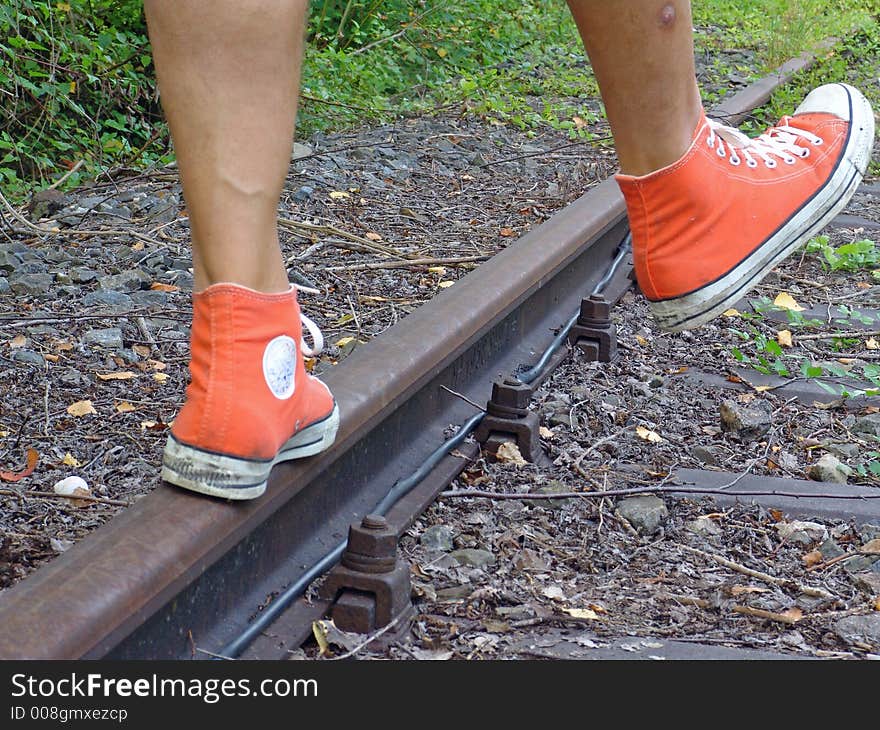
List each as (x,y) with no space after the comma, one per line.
(780,141)
(313,329)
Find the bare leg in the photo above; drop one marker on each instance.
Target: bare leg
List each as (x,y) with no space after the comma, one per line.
(643,56)
(228,73)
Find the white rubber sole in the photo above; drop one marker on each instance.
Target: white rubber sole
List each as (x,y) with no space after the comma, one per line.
(694,309)
(229,477)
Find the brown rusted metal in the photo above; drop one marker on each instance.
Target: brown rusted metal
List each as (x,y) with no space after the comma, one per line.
(371,585)
(594,333)
(508,419)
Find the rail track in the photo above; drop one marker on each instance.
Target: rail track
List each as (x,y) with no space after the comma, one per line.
(177,571)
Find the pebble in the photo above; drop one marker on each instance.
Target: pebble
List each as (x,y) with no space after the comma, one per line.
(869,424)
(705,526)
(9,261)
(82,275)
(473,557)
(69,485)
(860,629)
(829,469)
(645,514)
(705,454)
(802,533)
(842,450)
(830,549)
(869,582)
(31,284)
(127,281)
(28,356)
(304,194)
(109,337)
(553,487)
(437,538)
(4,285)
(746,422)
(113,301)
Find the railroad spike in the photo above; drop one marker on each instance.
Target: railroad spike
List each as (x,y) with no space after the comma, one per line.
(594,333)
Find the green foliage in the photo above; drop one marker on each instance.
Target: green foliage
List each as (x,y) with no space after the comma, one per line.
(855,256)
(76,82)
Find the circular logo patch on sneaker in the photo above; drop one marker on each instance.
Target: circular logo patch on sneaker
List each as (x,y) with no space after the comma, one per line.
(279,366)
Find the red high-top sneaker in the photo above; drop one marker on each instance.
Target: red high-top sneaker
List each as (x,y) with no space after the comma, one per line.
(250,402)
(709,227)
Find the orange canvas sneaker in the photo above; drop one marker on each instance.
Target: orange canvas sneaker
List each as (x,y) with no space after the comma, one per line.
(250,402)
(709,227)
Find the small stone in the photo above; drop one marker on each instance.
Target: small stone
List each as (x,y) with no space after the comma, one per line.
(9,261)
(530,561)
(109,337)
(31,284)
(829,469)
(830,549)
(301,150)
(553,487)
(860,629)
(149,298)
(869,424)
(656,381)
(862,563)
(473,557)
(4,285)
(455,593)
(705,454)
(705,526)
(304,194)
(802,533)
(868,582)
(113,301)
(645,514)
(869,531)
(59,546)
(437,538)
(127,281)
(745,422)
(842,450)
(28,356)
(82,275)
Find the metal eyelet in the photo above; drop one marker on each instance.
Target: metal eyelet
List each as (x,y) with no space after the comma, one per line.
(735,161)
(721,151)
(818,141)
(770,163)
(751,163)
(805,154)
(790,160)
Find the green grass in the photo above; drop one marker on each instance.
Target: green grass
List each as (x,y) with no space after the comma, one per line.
(80,95)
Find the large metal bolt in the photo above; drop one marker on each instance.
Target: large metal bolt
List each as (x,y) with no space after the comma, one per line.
(372,546)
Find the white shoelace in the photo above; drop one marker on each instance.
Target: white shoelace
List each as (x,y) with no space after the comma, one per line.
(314,331)
(780,141)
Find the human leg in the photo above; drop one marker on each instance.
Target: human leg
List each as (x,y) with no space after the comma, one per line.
(228,74)
(711,211)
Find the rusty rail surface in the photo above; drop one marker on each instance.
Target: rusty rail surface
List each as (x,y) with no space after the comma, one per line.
(177,569)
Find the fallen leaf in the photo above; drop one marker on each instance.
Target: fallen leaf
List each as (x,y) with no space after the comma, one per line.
(584,613)
(17,341)
(507,232)
(580,123)
(641,340)
(545,433)
(814,557)
(372,236)
(777,515)
(444,284)
(794,614)
(121,375)
(509,453)
(125,407)
(159,286)
(65,346)
(319,631)
(554,592)
(731,313)
(872,344)
(81,408)
(872,547)
(153,426)
(160,377)
(744,590)
(648,435)
(440,270)
(339,194)
(785,300)
(783,337)
(342,342)
(763,388)
(70,460)
(156,364)
(13,476)
(142,350)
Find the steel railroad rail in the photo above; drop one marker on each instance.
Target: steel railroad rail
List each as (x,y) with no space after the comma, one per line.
(177,570)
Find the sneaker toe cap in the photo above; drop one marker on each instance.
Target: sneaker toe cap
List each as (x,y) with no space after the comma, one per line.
(836,99)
